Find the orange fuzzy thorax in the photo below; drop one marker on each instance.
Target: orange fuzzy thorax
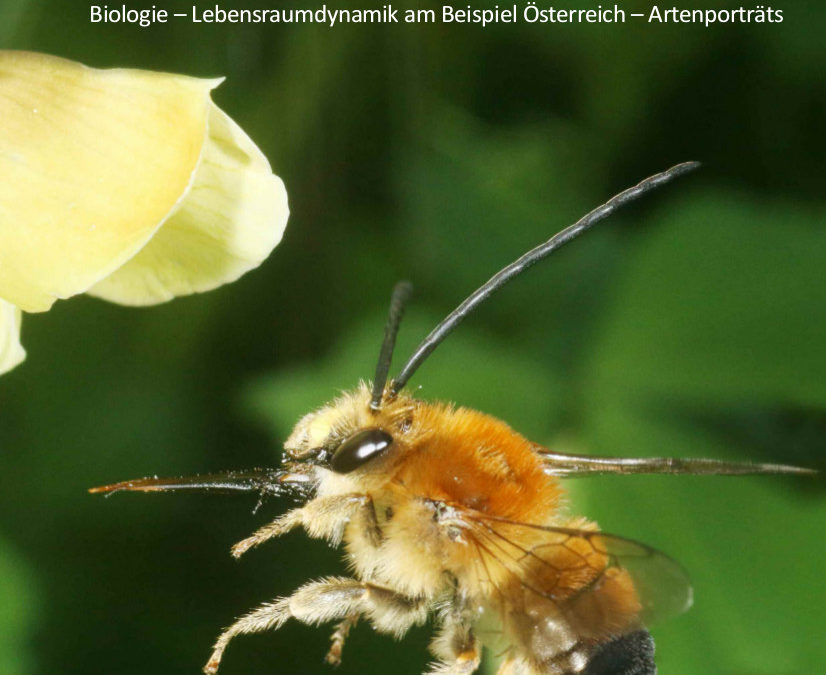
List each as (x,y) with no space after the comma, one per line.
(467,458)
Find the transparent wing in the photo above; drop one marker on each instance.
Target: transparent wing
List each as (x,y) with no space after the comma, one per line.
(571,466)
(565,564)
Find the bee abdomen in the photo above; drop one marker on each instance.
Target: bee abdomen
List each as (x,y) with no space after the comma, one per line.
(630,654)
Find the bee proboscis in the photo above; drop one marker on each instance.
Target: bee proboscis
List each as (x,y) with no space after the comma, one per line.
(446,512)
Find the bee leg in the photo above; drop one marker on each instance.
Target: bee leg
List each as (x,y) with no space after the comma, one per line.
(457,649)
(270,616)
(339,636)
(330,599)
(279,526)
(323,518)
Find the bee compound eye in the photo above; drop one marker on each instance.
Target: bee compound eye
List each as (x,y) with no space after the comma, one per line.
(360,448)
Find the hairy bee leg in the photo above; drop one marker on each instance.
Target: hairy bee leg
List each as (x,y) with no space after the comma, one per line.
(339,636)
(270,616)
(457,648)
(322,518)
(327,600)
(279,526)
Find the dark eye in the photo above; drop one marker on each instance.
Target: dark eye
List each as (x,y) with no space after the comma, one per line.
(359,448)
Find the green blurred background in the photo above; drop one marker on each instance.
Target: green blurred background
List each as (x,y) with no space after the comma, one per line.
(692,324)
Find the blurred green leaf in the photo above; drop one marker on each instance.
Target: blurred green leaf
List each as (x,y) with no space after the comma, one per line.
(18,609)
(14,17)
(723,302)
(725,316)
(467,369)
(476,197)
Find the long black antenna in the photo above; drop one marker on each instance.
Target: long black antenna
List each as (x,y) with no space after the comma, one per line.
(530,258)
(401,294)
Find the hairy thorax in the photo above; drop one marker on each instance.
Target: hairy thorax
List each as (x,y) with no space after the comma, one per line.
(447,462)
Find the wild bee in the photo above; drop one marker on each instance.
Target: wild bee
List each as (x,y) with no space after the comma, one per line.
(449,514)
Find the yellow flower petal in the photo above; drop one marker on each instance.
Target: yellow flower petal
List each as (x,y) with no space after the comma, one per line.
(92,162)
(230,220)
(11,351)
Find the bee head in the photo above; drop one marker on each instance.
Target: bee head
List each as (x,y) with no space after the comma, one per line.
(348,434)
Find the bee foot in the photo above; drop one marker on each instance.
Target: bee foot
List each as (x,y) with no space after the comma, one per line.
(340,634)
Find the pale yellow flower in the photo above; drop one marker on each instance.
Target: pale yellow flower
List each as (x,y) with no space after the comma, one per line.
(11,351)
(129,185)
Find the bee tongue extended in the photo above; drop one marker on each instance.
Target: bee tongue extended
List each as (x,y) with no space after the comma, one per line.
(263,481)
